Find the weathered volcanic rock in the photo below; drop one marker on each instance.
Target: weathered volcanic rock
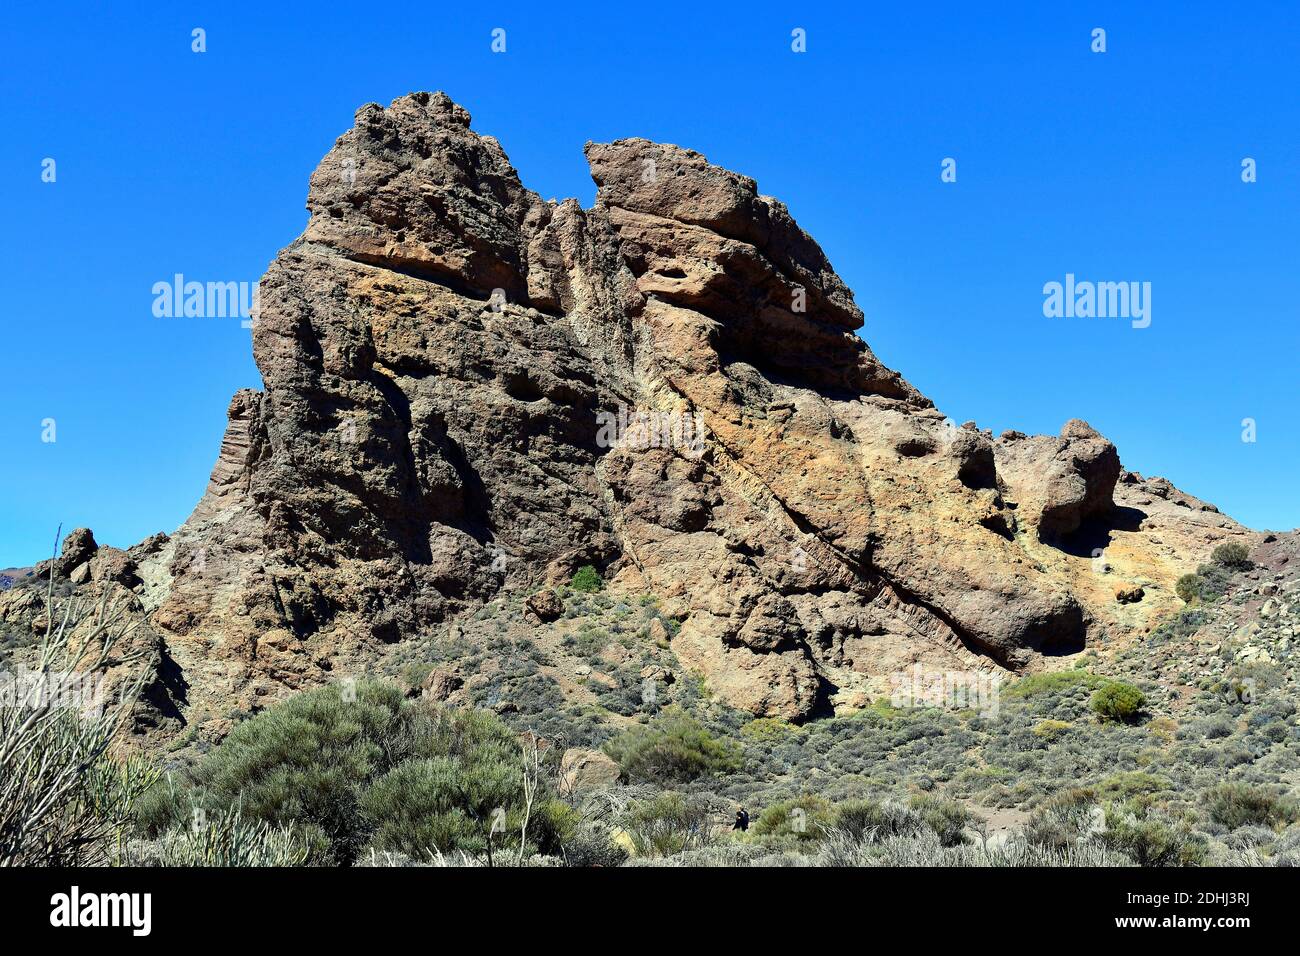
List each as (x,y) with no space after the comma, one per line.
(1061,482)
(546,604)
(443,353)
(77,549)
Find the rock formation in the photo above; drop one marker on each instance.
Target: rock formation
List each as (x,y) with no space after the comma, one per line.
(469,389)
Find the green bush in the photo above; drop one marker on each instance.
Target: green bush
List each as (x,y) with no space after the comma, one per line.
(1118,701)
(169,802)
(871,820)
(1230,554)
(554,826)
(442,804)
(591,844)
(1236,805)
(1051,730)
(801,818)
(947,818)
(769,731)
(586,580)
(1215,580)
(374,768)
(674,748)
(668,824)
(1050,683)
(1151,838)
(1063,820)
(308,759)
(1126,784)
(1188,587)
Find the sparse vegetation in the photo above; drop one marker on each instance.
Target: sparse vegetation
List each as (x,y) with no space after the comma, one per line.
(363,774)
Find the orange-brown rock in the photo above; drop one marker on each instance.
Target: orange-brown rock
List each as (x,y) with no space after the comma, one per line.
(471,390)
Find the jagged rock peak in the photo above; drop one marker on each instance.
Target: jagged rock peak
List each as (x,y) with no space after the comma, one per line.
(443,352)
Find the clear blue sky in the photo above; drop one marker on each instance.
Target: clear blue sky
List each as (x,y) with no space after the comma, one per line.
(1115,166)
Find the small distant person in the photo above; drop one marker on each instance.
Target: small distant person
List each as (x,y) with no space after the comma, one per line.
(742,820)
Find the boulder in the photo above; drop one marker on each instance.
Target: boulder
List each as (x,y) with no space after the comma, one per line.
(583,769)
(115,566)
(546,604)
(439,684)
(78,548)
(1129,594)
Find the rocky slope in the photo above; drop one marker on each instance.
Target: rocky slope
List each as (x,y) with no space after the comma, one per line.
(443,354)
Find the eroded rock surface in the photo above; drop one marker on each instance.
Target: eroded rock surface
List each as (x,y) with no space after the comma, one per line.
(443,353)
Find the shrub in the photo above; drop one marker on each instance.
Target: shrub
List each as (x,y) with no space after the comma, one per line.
(586,580)
(228,840)
(1236,805)
(553,825)
(669,823)
(1118,701)
(1063,820)
(1133,783)
(1215,579)
(871,820)
(373,767)
(769,731)
(1247,681)
(674,747)
(1051,682)
(468,797)
(1231,554)
(64,800)
(443,804)
(801,818)
(947,818)
(166,804)
(308,759)
(1188,587)
(716,855)
(1150,838)
(592,845)
(926,850)
(1050,729)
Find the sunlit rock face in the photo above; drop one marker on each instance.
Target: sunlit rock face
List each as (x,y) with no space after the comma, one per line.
(470,390)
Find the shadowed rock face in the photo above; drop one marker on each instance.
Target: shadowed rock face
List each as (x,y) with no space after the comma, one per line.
(440,350)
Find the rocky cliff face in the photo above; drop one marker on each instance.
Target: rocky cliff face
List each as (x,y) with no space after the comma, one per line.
(470,390)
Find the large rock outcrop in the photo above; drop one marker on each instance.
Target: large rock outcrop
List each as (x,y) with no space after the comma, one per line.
(469,389)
